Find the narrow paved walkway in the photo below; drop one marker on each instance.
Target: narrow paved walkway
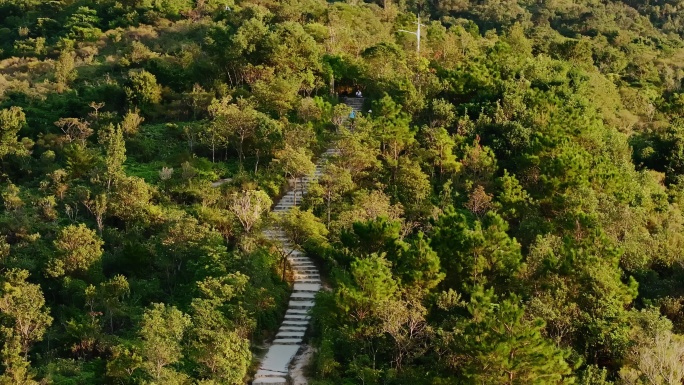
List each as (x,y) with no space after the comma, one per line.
(355,103)
(275,366)
(307,282)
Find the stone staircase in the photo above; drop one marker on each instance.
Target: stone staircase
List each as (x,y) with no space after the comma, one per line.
(355,103)
(274,368)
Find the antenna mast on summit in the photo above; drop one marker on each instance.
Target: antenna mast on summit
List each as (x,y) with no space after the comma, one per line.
(417,33)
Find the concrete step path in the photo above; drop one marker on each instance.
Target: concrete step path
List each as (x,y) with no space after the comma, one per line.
(357,106)
(274,368)
(355,103)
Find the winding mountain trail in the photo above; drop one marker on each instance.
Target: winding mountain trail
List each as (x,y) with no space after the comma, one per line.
(275,367)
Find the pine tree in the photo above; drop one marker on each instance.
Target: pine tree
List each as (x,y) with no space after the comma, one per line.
(476,251)
(496,345)
(162,331)
(78,248)
(112,140)
(64,70)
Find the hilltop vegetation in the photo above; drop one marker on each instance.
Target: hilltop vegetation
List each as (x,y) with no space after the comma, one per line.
(506,209)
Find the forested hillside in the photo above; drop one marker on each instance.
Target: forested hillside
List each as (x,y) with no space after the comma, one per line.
(505,210)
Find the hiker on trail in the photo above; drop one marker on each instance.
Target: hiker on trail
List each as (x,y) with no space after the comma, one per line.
(358,94)
(352,117)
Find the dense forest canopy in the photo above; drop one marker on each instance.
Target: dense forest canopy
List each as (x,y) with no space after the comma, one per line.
(505,210)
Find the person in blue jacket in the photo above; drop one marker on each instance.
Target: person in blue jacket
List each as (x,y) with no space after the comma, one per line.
(352,117)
